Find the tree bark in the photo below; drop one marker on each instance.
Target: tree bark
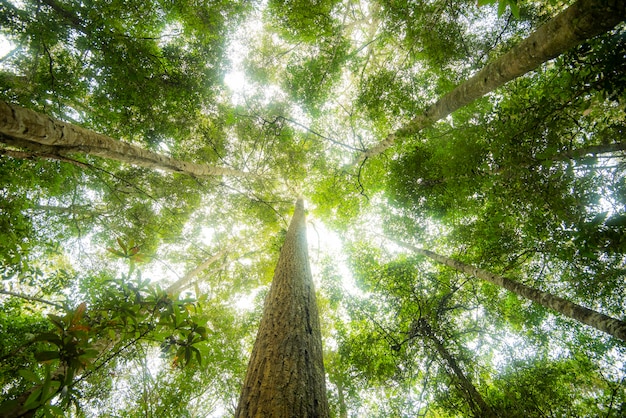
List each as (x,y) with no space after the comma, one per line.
(285,376)
(25,128)
(604,323)
(477,403)
(581,21)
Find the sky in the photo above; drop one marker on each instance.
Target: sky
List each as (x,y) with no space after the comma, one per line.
(5,46)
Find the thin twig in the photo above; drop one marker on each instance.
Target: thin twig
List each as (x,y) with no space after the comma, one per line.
(361,187)
(32,298)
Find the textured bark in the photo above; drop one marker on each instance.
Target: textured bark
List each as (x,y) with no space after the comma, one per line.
(477,404)
(36,155)
(604,323)
(285,376)
(581,21)
(39,133)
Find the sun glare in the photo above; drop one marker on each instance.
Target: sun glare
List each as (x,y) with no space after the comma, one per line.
(6,47)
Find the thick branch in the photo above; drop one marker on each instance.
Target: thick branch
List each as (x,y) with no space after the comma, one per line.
(600,321)
(581,21)
(592,150)
(36,155)
(37,132)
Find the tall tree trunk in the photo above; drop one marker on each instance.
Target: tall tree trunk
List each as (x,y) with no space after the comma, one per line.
(581,21)
(25,128)
(604,323)
(285,376)
(477,404)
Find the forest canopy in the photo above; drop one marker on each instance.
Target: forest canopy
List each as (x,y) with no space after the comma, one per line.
(462,164)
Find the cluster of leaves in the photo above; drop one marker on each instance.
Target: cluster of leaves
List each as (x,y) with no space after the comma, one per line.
(424,328)
(311,78)
(527,180)
(304,20)
(139,70)
(502,6)
(120,315)
(19,232)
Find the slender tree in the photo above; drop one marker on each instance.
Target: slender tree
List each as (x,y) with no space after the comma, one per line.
(581,21)
(25,128)
(186,281)
(605,323)
(285,376)
(477,403)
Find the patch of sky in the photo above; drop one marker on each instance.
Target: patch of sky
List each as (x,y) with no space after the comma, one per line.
(237,51)
(6,46)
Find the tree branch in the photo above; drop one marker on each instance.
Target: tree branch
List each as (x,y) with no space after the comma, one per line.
(32,298)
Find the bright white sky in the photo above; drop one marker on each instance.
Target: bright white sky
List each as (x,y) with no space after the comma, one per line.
(5,46)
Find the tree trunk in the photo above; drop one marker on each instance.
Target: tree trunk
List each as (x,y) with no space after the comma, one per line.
(285,376)
(343,409)
(581,21)
(591,150)
(604,323)
(477,404)
(39,133)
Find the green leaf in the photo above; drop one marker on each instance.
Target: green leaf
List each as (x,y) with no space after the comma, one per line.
(501,7)
(53,411)
(29,375)
(112,334)
(49,337)
(187,355)
(202,331)
(197,354)
(122,245)
(58,321)
(33,400)
(90,353)
(46,386)
(514,8)
(116,252)
(47,355)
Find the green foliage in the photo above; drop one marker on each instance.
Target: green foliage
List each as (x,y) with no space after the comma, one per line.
(527,182)
(309,79)
(567,387)
(23,184)
(393,94)
(134,69)
(516,189)
(85,338)
(502,6)
(304,20)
